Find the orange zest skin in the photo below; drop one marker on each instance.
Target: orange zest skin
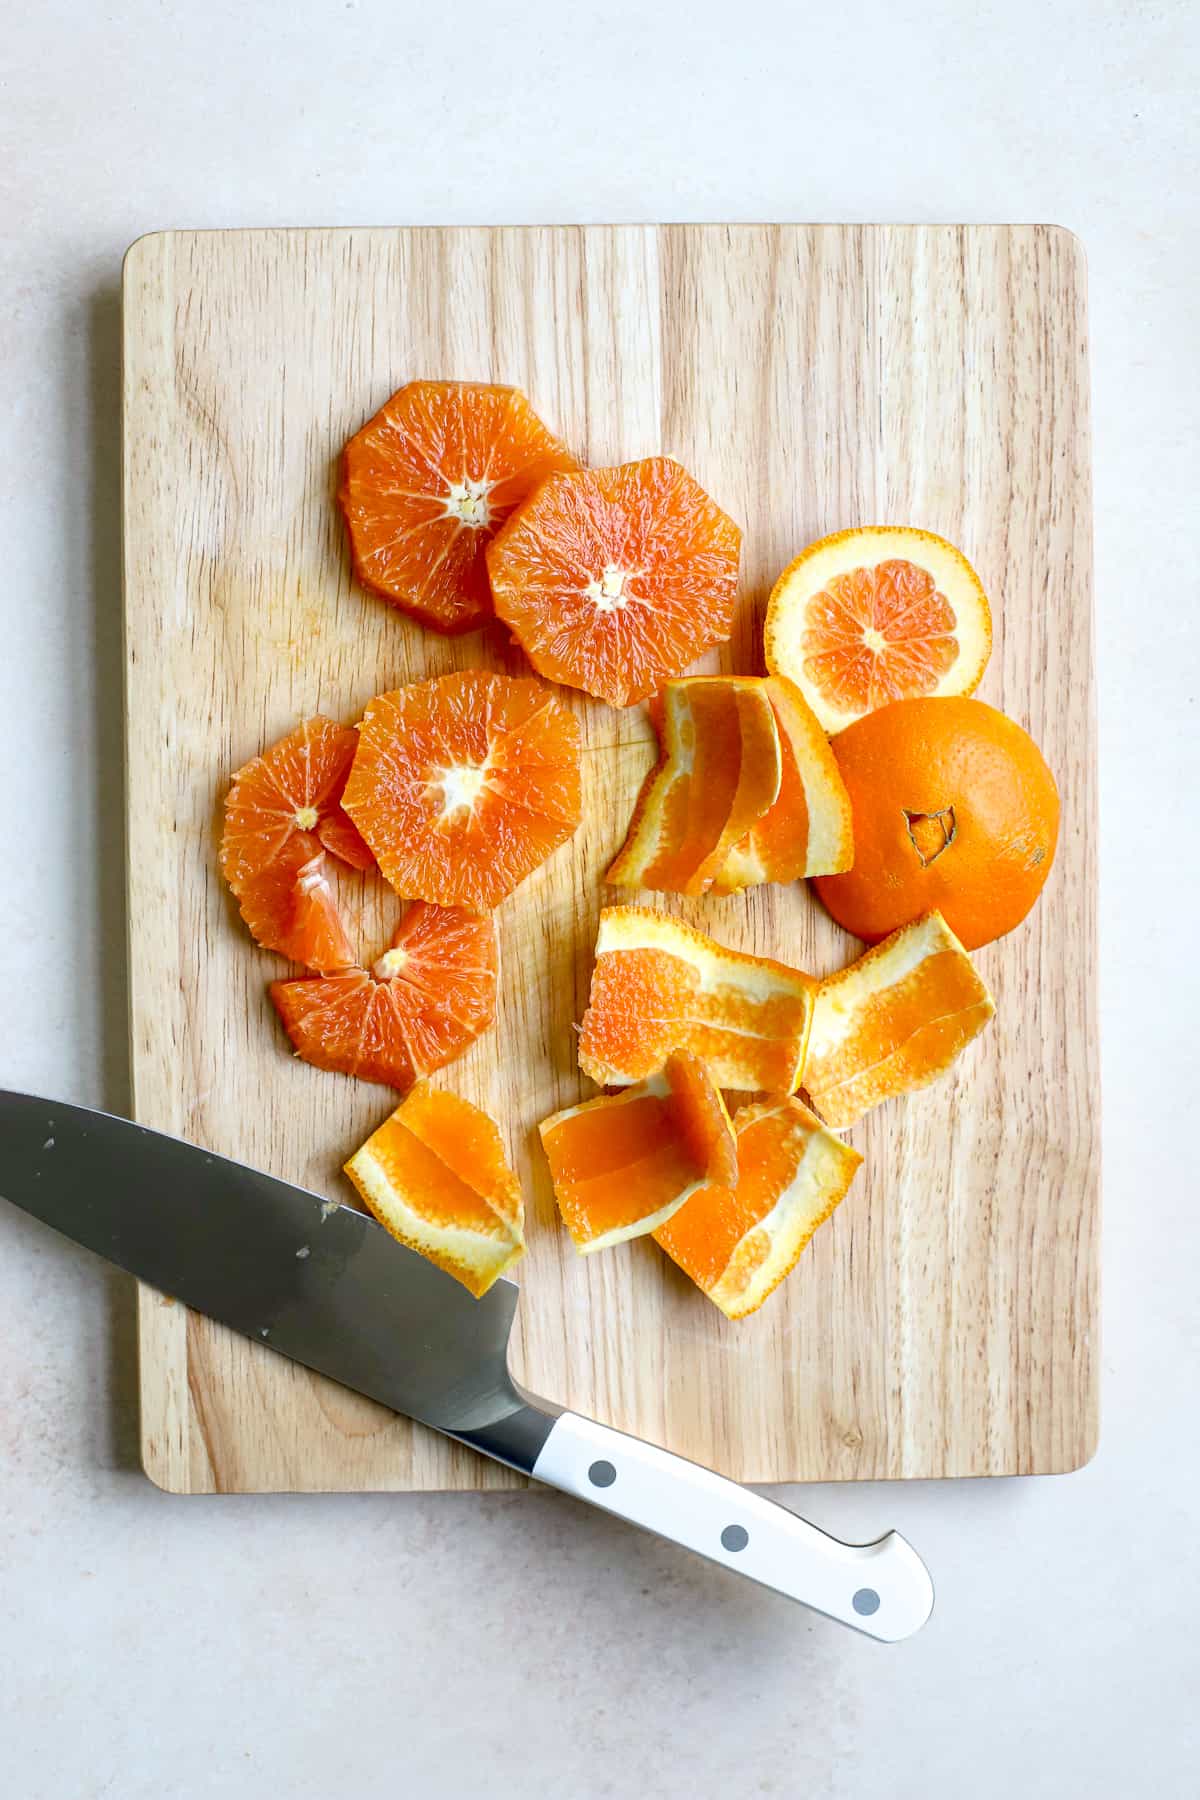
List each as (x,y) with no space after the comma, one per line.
(658,985)
(623,1163)
(719,773)
(737,1241)
(893,1021)
(282,812)
(615,580)
(464,784)
(428,997)
(427,483)
(436,1176)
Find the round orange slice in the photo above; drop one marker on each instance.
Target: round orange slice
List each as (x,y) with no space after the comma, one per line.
(426,484)
(462,785)
(739,1241)
(427,998)
(436,1176)
(623,1163)
(614,580)
(878,614)
(282,812)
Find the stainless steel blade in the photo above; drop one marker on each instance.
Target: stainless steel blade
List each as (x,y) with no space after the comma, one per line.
(318,1282)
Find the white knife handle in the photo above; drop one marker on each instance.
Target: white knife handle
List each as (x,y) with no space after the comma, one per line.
(882,1589)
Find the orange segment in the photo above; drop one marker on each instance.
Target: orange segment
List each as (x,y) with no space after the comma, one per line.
(464,784)
(659,985)
(622,1164)
(893,1021)
(613,580)
(283,808)
(427,483)
(429,996)
(738,1241)
(436,1176)
(718,774)
(878,614)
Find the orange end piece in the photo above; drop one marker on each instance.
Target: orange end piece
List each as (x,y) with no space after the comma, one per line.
(615,580)
(462,785)
(893,1021)
(809,829)
(658,985)
(738,1240)
(622,1164)
(436,1176)
(282,809)
(428,997)
(718,775)
(428,482)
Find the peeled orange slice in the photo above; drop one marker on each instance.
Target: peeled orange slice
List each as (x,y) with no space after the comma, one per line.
(462,785)
(738,1241)
(877,614)
(426,484)
(718,774)
(658,985)
(622,1164)
(436,1176)
(613,580)
(425,1000)
(893,1021)
(282,812)
(808,830)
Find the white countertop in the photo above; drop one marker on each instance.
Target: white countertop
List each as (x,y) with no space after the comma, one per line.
(461,1646)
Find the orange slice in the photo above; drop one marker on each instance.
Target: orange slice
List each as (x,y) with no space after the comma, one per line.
(719,773)
(427,483)
(658,985)
(622,1164)
(893,1021)
(737,1242)
(464,784)
(283,810)
(808,830)
(878,614)
(613,580)
(436,1176)
(425,1000)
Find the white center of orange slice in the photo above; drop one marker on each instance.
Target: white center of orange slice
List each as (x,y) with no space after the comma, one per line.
(305,818)
(608,594)
(461,787)
(391,963)
(874,640)
(467,502)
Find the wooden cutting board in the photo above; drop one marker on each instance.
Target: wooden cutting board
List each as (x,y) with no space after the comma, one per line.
(944,1322)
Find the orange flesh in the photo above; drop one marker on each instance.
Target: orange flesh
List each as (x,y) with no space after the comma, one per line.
(428,482)
(879,634)
(703,1235)
(318,937)
(615,580)
(462,785)
(440,997)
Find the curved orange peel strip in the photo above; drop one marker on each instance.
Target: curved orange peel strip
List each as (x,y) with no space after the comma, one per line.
(737,1242)
(659,985)
(718,774)
(893,1021)
(808,830)
(623,1163)
(436,1176)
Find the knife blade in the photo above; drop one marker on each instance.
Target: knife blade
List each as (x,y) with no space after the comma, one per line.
(325,1285)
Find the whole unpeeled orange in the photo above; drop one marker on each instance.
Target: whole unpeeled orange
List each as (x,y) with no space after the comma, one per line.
(954,810)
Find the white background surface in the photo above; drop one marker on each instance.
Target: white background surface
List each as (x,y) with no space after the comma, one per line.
(461,1646)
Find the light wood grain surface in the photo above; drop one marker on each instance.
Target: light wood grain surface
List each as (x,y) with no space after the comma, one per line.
(945,1321)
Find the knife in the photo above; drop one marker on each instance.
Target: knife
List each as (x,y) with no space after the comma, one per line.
(325,1285)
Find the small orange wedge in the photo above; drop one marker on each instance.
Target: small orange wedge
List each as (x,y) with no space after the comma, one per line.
(436,1176)
(893,1021)
(622,1164)
(737,1242)
(425,1000)
(809,829)
(718,774)
(658,985)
